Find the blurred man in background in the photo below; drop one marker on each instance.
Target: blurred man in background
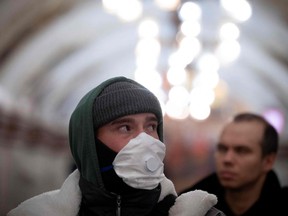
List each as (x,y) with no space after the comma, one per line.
(245,182)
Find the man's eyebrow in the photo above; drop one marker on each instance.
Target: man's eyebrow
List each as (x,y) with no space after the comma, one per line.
(152,118)
(122,120)
(127,119)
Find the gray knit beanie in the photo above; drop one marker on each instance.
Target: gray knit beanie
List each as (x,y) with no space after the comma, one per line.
(124,97)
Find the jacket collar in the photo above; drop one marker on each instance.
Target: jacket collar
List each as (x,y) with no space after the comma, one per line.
(68,197)
(66,201)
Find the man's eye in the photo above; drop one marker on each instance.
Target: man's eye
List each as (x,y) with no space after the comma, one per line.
(124,128)
(221,148)
(242,150)
(152,127)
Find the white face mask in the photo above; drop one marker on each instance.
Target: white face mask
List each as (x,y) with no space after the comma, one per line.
(140,162)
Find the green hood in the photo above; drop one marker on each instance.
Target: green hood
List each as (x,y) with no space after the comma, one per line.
(82,137)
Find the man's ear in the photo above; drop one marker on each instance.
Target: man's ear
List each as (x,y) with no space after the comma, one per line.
(269,161)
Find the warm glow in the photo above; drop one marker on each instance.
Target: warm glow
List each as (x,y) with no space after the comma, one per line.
(208,62)
(190,45)
(190,11)
(189,48)
(202,95)
(168,4)
(148,29)
(199,111)
(228,51)
(176,76)
(147,53)
(177,105)
(229,31)
(111,5)
(180,59)
(179,94)
(148,46)
(190,28)
(149,78)
(126,10)
(176,110)
(239,9)
(207,79)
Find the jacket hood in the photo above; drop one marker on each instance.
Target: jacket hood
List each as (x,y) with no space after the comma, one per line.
(82,134)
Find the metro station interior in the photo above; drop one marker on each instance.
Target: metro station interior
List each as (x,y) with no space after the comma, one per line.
(221,61)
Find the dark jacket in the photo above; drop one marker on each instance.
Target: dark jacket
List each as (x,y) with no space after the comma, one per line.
(273,199)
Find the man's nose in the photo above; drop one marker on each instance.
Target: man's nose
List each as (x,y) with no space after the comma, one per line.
(229,155)
(138,131)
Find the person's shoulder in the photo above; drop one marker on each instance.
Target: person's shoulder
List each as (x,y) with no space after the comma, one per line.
(285,189)
(284,192)
(279,202)
(64,201)
(32,205)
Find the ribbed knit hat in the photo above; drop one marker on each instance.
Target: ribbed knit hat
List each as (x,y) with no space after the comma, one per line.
(124,97)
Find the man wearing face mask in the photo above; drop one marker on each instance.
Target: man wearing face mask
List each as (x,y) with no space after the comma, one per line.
(116,139)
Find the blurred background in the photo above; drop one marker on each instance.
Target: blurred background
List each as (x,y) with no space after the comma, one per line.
(205,60)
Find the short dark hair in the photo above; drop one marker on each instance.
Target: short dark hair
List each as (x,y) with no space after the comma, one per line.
(270,137)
